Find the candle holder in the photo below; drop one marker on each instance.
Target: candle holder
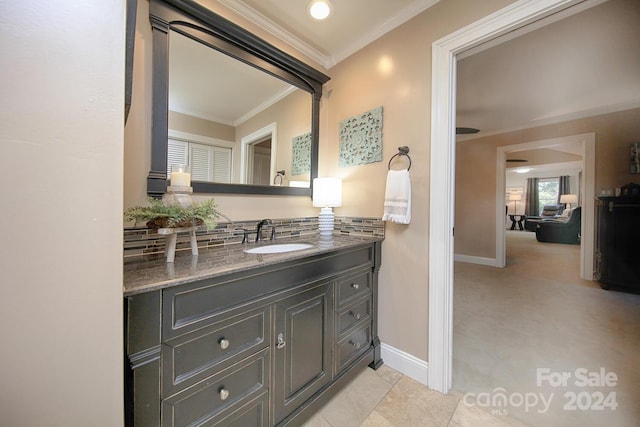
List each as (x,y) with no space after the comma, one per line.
(178,194)
(179,189)
(180,175)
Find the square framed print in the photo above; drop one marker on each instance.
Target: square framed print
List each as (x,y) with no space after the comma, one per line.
(635,157)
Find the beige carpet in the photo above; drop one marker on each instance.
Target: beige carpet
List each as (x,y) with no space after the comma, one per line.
(537,314)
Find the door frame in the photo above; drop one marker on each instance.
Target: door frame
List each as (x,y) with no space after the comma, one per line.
(587,190)
(442,167)
(246,152)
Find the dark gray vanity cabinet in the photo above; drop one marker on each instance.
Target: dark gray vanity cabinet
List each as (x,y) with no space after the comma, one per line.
(259,347)
(303,325)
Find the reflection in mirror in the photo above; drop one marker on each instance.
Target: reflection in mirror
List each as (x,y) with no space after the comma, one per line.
(201,116)
(236,124)
(259,163)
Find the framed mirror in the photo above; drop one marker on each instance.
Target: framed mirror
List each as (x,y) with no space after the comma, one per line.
(234,107)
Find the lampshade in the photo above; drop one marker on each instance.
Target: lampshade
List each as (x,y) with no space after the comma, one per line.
(327,192)
(569,198)
(515,197)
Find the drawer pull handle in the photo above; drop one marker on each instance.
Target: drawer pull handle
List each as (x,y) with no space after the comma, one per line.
(224,394)
(224,343)
(281,342)
(355,344)
(356,315)
(355,286)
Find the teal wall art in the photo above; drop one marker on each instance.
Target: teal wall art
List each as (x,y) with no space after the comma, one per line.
(301,154)
(361,139)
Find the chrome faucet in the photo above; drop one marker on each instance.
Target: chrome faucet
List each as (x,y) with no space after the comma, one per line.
(259,229)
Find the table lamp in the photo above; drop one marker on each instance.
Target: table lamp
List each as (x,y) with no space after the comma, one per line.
(569,199)
(515,198)
(327,193)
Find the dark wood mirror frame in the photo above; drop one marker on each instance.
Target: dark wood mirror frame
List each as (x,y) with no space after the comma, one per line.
(201,24)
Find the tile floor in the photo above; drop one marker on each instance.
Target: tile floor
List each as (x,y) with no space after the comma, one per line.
(386,398)
(536,313)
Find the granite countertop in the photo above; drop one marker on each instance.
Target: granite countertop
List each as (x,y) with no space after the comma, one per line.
(152,272)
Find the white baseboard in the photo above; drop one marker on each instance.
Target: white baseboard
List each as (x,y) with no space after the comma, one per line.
(476,260)
(405,363)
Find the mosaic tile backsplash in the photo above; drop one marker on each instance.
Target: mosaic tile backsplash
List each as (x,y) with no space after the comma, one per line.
(140,241)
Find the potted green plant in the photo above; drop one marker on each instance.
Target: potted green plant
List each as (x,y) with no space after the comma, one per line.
(159,215)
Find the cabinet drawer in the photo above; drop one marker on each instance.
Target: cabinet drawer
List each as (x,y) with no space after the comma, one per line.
(359,312)
(253,413)
(194,356)
(194,305)
(352,346)
(219,395)
(353,287)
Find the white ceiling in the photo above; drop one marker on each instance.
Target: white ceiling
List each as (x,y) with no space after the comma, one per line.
(352,25)
(586,64)
(583,65)
(199,76)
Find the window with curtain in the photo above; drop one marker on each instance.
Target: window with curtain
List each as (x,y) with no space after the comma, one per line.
(548,192)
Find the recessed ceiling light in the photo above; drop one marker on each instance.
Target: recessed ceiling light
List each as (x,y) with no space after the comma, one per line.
(522,170)
(320,9)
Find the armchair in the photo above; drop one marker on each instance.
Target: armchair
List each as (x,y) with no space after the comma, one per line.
(548,212)
(557,231)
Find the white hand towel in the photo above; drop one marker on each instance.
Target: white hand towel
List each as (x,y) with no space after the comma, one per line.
(397,197)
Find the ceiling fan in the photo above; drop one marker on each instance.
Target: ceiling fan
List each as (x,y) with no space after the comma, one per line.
(466,131)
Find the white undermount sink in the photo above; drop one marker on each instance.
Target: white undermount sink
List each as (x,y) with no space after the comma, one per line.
(278,248)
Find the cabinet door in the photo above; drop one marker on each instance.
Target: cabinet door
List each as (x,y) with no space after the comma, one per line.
(618,245)
(303,328)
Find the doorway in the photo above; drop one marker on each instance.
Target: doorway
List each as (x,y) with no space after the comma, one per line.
(587,184)
(258,156)
(442,183)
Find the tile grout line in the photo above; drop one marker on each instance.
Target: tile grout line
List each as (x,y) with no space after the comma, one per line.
(381,399)
(454,412)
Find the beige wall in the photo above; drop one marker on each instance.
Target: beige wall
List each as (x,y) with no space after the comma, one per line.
(292,115)
(476,185)
(61,153)
(195,125)
(293,118)
(540,156)
(395,72)
(137,131)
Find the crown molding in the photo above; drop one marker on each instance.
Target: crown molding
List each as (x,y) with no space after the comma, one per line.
(263,106)
(273,28)
(327,60)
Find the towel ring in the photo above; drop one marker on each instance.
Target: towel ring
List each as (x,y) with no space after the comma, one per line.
(402,151)
(279,174)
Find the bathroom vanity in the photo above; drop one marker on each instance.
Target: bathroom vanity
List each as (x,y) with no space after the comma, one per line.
(232,338)
(228,337)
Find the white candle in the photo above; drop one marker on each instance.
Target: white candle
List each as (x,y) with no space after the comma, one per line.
(181,178)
